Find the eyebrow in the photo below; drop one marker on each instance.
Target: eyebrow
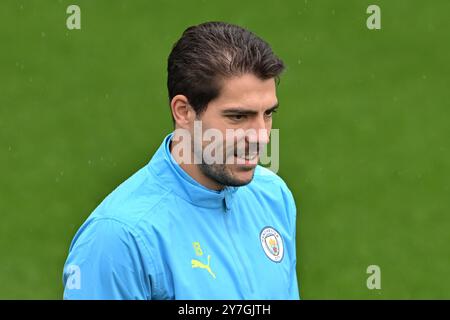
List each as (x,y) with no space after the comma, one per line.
(243,111)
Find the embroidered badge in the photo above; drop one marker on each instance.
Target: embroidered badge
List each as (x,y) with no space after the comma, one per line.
(272,244)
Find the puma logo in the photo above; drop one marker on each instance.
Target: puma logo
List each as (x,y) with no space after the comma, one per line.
(199,264)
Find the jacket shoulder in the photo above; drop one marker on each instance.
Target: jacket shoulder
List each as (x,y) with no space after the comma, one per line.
(137,198)
(264,175)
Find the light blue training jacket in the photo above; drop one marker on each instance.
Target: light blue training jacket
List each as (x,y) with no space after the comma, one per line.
(162,235)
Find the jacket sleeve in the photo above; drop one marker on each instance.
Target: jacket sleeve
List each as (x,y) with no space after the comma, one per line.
(107,261)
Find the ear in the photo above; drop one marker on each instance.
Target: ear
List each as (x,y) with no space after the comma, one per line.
(182,111)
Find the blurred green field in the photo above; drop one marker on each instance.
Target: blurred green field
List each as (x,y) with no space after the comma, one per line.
(364,130)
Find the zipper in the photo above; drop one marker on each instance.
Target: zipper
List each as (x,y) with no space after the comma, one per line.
(236,255)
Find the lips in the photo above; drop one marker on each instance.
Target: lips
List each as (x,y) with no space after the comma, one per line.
(247,157)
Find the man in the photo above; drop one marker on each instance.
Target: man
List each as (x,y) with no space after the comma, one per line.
(186,227)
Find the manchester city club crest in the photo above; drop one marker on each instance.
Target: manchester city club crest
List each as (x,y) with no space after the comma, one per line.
(272,244)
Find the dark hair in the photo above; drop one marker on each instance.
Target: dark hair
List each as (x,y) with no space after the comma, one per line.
(210,52)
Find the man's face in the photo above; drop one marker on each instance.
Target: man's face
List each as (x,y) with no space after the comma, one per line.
(246,103)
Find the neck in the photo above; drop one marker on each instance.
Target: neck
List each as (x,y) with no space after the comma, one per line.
(194,171)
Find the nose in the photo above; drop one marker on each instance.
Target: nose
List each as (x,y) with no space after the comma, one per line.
(259,133)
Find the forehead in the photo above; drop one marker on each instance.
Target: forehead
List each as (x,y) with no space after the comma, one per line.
(247,91)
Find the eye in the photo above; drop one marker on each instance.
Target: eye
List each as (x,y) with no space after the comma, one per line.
(269,113)
(236,117)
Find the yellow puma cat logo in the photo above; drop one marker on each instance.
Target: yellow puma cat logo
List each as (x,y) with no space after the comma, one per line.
(199,264)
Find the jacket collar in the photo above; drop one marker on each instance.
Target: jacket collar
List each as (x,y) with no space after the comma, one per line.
(172,176)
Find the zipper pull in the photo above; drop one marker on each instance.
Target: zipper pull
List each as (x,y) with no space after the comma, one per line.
(228,200)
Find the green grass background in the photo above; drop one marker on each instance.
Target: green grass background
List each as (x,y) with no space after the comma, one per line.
(364,130)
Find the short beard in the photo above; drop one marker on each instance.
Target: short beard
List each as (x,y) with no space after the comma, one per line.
(221,175)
